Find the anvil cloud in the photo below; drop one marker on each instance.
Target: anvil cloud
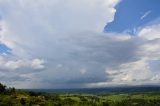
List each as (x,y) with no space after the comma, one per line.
(61,43)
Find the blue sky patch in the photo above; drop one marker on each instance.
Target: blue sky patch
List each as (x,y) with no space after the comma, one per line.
(132,14)
(4,49)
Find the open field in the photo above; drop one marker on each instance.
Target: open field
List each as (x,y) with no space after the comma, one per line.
(51,99)
(12,97)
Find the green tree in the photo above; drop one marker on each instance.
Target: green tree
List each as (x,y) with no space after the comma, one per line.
(2,88)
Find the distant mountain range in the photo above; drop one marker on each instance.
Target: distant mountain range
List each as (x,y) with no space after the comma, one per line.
(106,90)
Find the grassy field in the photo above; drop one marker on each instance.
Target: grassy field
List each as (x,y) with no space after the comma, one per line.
(28,98)
(12,97)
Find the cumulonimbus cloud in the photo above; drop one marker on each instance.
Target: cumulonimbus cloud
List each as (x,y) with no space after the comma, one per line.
(65,39)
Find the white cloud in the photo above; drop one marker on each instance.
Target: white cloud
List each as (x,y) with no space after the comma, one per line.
(145,14)
(51,30)
(133,71)
(143,70)
(37,64)
(28,25)
(64,40)
(11,65)
(150,32)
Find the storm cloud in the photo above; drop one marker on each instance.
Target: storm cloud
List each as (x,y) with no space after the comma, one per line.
(59,43)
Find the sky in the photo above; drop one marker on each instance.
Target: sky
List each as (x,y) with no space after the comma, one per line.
(132,14)
(79,43)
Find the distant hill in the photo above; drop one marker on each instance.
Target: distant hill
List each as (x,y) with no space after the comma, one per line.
(122,89)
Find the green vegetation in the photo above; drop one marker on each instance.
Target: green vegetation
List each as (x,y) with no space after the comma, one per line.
(12,97)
